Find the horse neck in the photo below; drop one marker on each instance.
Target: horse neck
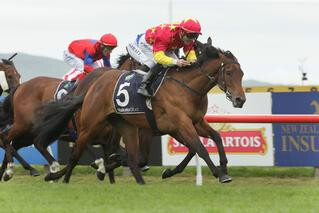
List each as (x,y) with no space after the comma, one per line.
(196,79)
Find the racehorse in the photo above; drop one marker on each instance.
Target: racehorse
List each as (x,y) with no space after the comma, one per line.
(28,99)
(179,108)
(9,81)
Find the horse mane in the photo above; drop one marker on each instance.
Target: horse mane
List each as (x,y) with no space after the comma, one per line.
(228,54)
(210,52)
(120,61)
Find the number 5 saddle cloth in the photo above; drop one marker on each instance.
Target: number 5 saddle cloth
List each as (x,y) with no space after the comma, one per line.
(125,97)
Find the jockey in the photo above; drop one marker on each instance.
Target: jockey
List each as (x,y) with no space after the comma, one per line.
(156,47)
(84,55)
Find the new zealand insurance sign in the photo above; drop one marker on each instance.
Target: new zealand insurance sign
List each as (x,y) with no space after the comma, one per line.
(296,144)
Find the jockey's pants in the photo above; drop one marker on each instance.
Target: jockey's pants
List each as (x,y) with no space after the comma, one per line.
(77,65)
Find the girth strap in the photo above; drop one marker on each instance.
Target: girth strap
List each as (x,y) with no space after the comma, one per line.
(152,121)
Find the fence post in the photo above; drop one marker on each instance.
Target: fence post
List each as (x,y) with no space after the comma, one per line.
(317,172)
(199,176)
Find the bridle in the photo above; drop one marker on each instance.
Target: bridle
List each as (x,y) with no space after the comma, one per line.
(214,78)
(4,81)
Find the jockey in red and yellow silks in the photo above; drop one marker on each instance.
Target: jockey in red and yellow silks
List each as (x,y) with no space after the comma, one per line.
(158,44)
(85,55)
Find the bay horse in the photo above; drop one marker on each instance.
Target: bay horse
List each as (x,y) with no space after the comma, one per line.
(27,100)
(9,80)
(179,108)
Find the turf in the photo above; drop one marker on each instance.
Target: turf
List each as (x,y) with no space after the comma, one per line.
(253,189)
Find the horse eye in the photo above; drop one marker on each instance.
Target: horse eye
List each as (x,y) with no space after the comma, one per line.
(228,73)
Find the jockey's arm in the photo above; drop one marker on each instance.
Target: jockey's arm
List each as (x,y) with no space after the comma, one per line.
(163,59)
(88,61)
(106,62)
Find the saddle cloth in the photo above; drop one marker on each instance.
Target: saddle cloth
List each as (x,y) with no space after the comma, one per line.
(63,89)
(125,97)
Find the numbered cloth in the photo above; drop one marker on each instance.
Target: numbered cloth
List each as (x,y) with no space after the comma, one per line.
(125,97)
(63,89)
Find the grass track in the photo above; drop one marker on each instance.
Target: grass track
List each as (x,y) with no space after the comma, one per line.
(252,190)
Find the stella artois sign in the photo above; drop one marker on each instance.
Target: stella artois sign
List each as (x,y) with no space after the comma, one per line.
(235,141)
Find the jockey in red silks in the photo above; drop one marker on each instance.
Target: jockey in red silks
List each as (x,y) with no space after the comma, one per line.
(156,47)
(84,56)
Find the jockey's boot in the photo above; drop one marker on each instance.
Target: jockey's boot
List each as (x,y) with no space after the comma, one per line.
(147,80)
(144,68)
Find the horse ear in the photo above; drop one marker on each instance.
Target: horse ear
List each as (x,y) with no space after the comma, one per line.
(209,41)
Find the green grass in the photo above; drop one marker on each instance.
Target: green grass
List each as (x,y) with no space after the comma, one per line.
(254,189)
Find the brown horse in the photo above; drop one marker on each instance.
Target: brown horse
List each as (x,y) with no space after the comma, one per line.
(27,101)
(179,108)
(109,145)
(9,81)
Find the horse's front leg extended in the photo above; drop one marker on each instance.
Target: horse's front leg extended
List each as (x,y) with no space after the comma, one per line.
(186,133)
(205,130)
(26,166)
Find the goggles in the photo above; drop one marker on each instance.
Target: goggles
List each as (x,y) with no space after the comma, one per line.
(108,47)
(192,35)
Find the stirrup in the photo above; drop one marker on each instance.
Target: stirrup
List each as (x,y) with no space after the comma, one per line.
(144,92)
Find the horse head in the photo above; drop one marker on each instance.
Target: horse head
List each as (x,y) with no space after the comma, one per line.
(228,75)
(9,76)
(126,62)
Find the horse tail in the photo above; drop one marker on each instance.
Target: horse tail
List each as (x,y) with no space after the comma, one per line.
(53,119)
(6,110)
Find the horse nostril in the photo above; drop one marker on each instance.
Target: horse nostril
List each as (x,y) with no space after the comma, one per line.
(238,100)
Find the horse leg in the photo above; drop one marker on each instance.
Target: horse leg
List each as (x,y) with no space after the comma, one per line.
(186,133)
(3,166)
(107,153)
(179,168)
(145,144)
(25,165)
(98,163)
(114,159)
(130,139)
(54,164)
(204,130)
(79,147)
(9,171)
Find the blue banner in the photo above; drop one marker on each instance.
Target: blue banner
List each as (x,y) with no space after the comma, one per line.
(296,144)
(32,155)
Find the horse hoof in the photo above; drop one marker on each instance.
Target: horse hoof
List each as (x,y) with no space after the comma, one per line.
(141,183)
(166,173)
(225,179)
(223,169)
(47,177)
(6,177)
(51,177)
(34,172)
(94,166)
(145,168)
(100,175)
(66,181)
(114,157)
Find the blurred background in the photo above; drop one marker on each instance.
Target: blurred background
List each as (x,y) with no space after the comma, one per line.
(275,41)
